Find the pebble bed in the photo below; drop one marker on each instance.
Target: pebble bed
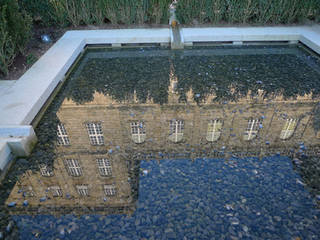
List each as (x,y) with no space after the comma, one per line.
(201,199)
(275,197)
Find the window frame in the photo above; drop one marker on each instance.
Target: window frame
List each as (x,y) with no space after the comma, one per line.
(138,131)
(62,135)
(82,190)
(215,134)
(76,166)
(95,133)
(45,172)
(105,168)
(110,187)
(56,191)
(288,130)
(252,130)
(176,130)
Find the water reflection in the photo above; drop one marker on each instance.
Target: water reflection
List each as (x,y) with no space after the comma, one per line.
(128,123)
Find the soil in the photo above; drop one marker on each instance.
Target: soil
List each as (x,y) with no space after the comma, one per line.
(36,48)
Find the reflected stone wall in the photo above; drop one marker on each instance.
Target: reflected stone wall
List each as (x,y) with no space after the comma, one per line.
(124,153)
(116,117)
(159,95)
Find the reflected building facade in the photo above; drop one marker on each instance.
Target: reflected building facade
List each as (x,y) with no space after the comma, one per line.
(100,142)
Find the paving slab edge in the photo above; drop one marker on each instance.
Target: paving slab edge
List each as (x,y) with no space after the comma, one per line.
(20,103)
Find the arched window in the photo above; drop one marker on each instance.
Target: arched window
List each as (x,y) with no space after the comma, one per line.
(253,128)
(138,132)
(214,130)
(288,128)
(176,130)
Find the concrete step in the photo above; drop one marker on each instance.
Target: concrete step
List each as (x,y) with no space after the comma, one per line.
(5,154)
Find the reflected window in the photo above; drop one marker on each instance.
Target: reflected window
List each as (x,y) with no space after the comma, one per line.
(288,128)
(56,191)
(45,171)
(73,167)
(109,190)
(138,132)
(176,130)
(27,191)
(63,138)
(252,129)
(104,167)
(214,130)
(95,133)
(82,190)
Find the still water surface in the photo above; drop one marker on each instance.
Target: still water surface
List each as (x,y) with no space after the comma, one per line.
(202,143)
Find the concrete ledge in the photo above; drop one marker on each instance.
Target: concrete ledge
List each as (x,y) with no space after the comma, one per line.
(311,39)
(20,104)
(154,35)
(20,139)
(5,86)
(307,35)
(5,154)
(240,34)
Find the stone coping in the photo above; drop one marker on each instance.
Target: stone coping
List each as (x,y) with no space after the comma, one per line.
(21,100)
(309,36)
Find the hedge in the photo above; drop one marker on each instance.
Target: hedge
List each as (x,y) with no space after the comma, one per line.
(85,12)
(15,32)
(248,11)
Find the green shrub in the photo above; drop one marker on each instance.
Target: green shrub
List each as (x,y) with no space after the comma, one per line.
(15,32)
(7,47)
(85,12)
(117,12)
(248,11)
(39,10)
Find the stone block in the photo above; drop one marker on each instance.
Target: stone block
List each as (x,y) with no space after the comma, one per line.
(20,139)
(5,154)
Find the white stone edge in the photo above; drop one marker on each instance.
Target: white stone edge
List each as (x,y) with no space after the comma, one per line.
(305,34)
(20,102)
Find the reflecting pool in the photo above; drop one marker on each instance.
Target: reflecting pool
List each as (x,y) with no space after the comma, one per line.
(202,143)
